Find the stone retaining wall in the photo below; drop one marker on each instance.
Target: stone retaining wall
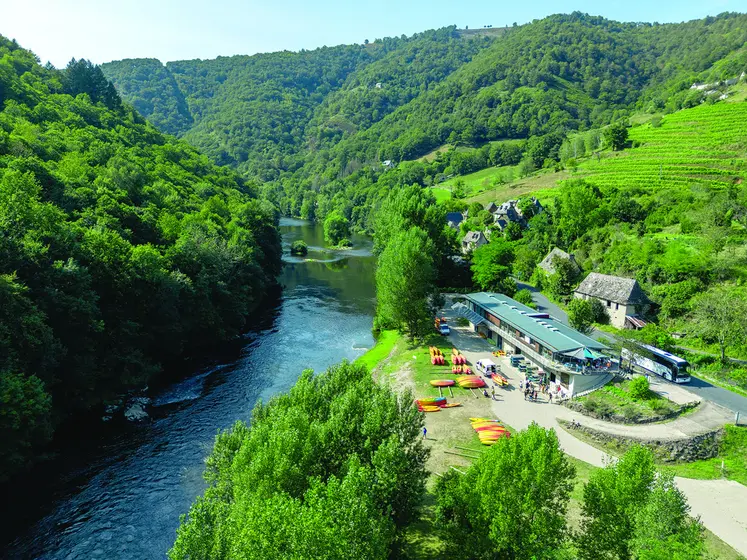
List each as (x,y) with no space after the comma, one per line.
(703,446)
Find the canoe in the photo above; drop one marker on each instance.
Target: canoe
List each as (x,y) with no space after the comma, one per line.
(442,382)
(428,408)
(451,405)
(483,420)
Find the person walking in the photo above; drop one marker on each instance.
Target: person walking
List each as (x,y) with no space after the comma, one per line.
(492,392)
(425,432)
(550,398)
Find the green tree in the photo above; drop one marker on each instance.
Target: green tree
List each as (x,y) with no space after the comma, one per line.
(616,135)
(511,502)
(336,228)
(560,283)
(405,283)
(599,312)
(334,468)
(664,529)
(720,315)
(612,499)
(512,232)
(491,266)
(525,296)
(581,315)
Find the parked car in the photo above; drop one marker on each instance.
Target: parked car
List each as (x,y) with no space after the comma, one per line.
(444,329)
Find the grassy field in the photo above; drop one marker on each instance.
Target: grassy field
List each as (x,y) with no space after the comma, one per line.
(384,345)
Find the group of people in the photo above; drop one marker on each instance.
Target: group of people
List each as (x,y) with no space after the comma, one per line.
(531,390)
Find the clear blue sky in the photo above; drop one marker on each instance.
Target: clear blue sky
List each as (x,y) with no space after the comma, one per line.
(104,30)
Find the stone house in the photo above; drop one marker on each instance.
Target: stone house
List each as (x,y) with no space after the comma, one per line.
(622,297)
(548,263)
(509,211)
(473,240)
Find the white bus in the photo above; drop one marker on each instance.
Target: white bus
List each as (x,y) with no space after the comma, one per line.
(659,362)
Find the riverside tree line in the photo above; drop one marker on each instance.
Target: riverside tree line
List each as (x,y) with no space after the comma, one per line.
(335,469)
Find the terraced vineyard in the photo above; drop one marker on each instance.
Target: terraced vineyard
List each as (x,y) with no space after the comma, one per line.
(706,145)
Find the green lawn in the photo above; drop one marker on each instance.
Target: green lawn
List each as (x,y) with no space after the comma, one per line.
(441,194)
(383,347)
(733,455)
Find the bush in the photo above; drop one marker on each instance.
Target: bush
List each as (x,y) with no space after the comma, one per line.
(639,388)
(298,247)
(525,296)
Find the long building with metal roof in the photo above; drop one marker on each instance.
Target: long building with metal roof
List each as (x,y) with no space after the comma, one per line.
(567,357)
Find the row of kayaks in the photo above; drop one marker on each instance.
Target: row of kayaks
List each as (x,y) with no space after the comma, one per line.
(489,430)
(457,358)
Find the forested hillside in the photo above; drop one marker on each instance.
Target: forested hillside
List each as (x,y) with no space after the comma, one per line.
(120,247)
(315,126)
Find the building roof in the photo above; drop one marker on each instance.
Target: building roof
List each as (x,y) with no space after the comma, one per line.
(612,288)
(547,331)
(473,237)
(547,263)
(454,217)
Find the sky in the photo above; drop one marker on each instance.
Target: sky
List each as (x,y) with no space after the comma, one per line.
(105,30)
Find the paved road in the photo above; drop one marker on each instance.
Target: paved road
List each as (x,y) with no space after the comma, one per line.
(721,504)
(697,386)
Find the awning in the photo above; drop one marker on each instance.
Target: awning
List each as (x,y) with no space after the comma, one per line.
(464,311)
(583,354)
(637,322)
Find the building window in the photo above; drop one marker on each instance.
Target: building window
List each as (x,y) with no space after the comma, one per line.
(617,306)
(609,303)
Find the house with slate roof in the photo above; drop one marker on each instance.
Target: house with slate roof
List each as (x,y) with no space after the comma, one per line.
(623,298)
(548,263)
(473,240)
(566,359)
(453,219)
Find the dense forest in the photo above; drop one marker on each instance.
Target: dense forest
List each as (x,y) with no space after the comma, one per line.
(315,126)
(119,248)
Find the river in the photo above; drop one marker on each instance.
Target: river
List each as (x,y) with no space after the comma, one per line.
(118,494)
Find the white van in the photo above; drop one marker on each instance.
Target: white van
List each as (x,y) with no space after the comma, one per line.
(486,366)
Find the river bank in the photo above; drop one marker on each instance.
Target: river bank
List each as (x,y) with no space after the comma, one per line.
(117,492)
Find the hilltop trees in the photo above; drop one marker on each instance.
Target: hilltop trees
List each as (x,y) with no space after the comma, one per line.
(119,249)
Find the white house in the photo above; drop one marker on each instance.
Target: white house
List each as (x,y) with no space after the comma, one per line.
(622,297)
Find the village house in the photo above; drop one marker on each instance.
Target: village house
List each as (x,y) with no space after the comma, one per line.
(548,263)
(623,298)
(453,219)
(473,240)
(569,361)
(509,212)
